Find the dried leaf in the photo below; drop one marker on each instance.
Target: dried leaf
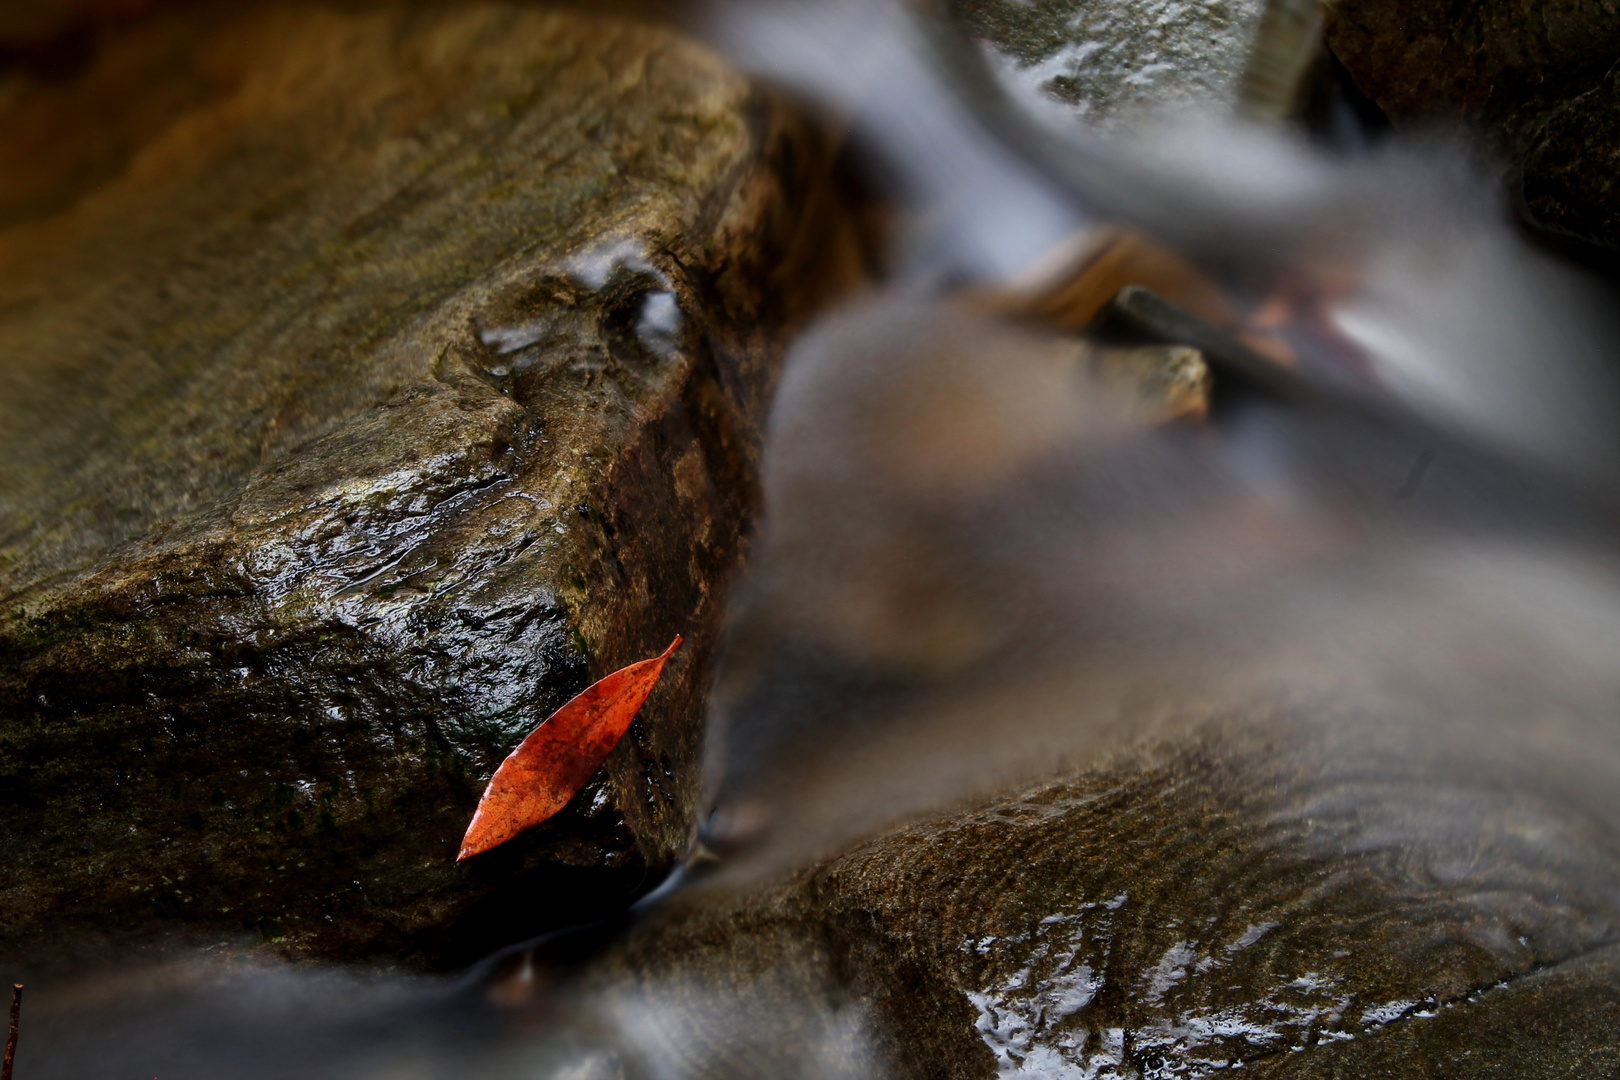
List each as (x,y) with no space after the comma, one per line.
(554,762)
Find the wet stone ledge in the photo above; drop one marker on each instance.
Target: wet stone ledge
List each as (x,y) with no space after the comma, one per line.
(402,376)
(1261,891)
(1532,84)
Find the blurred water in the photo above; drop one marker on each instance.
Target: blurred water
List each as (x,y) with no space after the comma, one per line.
(979,565)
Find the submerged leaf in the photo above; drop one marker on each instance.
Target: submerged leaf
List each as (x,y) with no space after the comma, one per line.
(554,762)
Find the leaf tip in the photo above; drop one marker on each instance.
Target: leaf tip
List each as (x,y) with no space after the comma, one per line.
(473,842)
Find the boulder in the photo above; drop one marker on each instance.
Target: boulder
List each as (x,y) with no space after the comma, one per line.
(1240,894)
(391,371)
(1568,179)
(1533,81)
(1053,744)
(1110,62)
(1496,66)
(1247,894)
(1352,814)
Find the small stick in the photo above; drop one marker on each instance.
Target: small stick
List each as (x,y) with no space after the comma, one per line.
(11,1043)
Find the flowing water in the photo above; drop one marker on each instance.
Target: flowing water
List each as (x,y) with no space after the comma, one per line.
(1378,594)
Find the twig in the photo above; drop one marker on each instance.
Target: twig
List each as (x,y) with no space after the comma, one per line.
(11,1043)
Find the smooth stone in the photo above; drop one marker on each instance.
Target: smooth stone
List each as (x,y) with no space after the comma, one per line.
(401,374)
(1243,894)
(1247,894)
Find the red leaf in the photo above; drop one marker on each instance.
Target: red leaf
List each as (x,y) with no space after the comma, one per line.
(541,775)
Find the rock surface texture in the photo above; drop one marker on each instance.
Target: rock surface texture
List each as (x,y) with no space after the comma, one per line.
(395,370)
(1113,62)
(1248,895)
(1284,799)
(1252,892)
(1535,80)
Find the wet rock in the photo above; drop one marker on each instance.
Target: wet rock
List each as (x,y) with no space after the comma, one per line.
(1532,80)
(1308,804)
(399,373)
(1569,171)
(1247,894)
(1240,894)
(1110,62)
(1495,66)
(1167,381)
(1555,1022)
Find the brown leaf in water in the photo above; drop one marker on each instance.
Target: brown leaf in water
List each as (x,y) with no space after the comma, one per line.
(544,772)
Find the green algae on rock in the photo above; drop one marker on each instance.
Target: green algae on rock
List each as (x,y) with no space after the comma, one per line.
(406,377)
